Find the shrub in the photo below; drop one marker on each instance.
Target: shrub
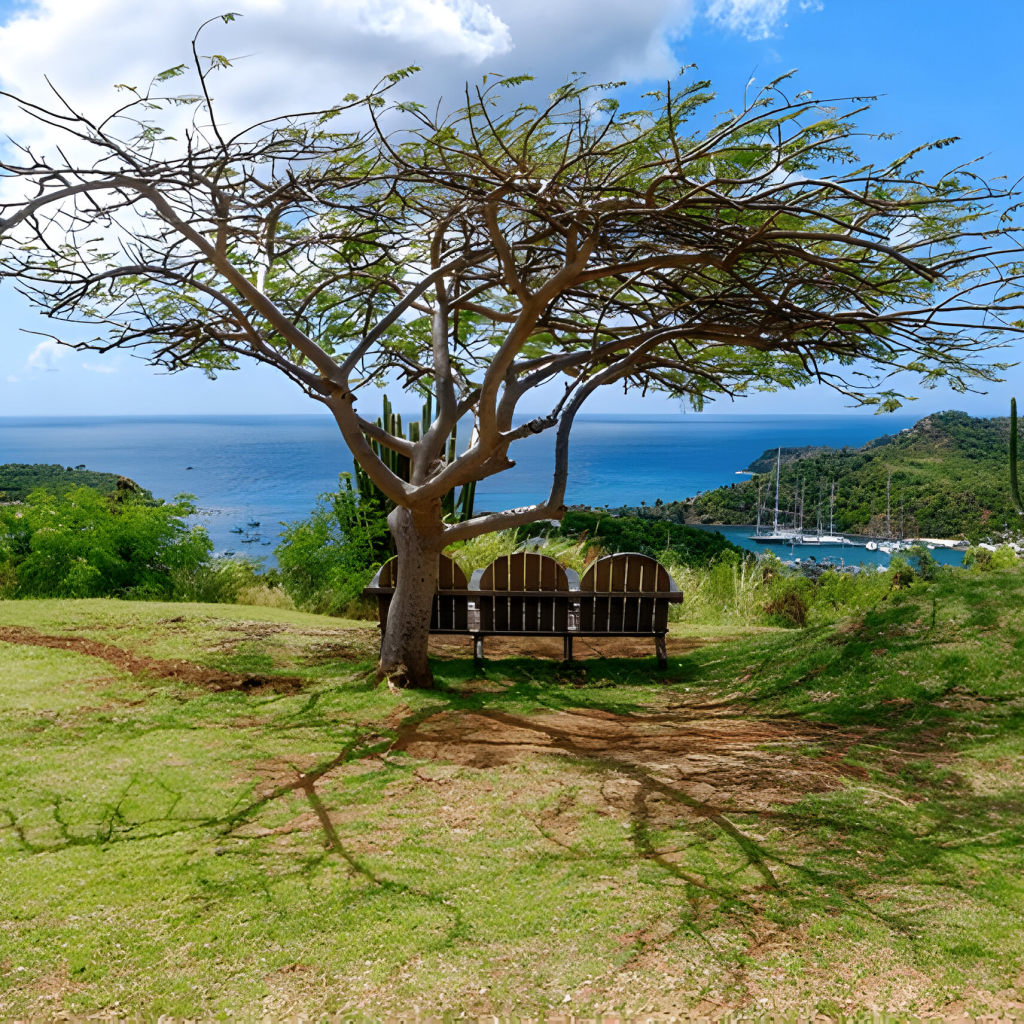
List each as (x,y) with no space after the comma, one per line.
(228,581)
(1004,557)
(84,544)
(327,559)
(481,551)
(763,591)
(788,609)
(923,562)
(900,573)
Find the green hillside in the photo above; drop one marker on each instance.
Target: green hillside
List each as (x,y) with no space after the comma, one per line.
(18,479)
(949,478)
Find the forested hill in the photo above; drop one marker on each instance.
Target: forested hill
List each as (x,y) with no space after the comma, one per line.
(18,479)
(949,472)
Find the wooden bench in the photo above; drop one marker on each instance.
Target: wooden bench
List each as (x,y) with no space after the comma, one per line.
(530,594)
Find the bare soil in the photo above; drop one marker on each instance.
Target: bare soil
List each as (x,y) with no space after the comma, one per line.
(701,755)
(180,671)
(550,648)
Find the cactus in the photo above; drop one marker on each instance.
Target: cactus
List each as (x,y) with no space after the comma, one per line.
(1014,489)
(453,509)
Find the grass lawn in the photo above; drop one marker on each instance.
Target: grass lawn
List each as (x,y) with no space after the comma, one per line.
(825,820)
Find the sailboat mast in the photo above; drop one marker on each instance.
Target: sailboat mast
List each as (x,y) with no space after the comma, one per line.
(832,511)
(888,517)
(759,510)
(778,470)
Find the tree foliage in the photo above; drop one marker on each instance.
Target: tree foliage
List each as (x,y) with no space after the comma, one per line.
(84,544)
(19,479)
(480,253)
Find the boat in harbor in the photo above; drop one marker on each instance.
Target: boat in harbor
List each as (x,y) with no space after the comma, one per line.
(796,536)
(776,535)
(832,537)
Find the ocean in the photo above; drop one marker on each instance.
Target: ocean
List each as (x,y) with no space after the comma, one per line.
(270,469)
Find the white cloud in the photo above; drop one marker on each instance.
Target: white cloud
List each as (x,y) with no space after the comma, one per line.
(12,379)
(96,368)
(307,54)
(45,355)
(756,19)
(303,54)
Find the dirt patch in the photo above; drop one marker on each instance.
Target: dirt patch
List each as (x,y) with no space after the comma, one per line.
(180,671)
(583,647)
(357,645)
(721,761)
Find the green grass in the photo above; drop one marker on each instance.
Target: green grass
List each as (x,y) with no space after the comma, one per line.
(154,863)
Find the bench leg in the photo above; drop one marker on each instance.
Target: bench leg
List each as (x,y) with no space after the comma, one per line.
(478,652)
(661,650)
(567,648)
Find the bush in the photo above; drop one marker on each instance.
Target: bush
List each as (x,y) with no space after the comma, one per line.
(1004,557)
(327,559)
(229,581)
(479,552)
(764,591)
(84,544)
(789,609)
(921,560)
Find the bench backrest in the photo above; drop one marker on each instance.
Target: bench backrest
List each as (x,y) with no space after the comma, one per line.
(449,611)
(449,575)
(538,595)
(527,592)
(626,593)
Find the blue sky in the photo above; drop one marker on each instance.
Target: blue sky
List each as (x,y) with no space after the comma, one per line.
(940,68)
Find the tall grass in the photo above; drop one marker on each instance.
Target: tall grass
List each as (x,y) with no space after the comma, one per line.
(731,591)
(763,591)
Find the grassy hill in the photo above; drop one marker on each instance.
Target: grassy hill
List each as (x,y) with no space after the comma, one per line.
(18,479)
(211,811)
(949,478)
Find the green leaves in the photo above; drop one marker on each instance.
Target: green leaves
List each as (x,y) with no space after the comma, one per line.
(175,72)
(85,544)
(397,76)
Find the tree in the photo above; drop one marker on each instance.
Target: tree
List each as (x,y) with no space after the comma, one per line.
(477,255)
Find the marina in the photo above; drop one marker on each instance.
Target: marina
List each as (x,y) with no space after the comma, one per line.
(794,534)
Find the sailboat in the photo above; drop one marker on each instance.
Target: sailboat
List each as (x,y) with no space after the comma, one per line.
(891,545)
(776,536)
(832,537)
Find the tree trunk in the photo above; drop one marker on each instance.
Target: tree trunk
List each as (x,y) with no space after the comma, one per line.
(403,652)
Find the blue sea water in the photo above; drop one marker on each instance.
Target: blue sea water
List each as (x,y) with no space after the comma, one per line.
(270,469)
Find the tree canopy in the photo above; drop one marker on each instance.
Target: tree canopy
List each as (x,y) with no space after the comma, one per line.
(481,253)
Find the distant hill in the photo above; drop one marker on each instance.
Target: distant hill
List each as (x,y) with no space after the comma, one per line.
(18,479)
(949,478)
(766,464)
